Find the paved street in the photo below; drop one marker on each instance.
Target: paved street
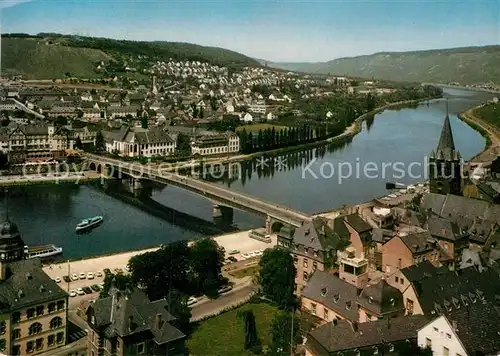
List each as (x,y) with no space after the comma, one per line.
(236,296)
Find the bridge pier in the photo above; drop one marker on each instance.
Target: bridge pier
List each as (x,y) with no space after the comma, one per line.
(223,213)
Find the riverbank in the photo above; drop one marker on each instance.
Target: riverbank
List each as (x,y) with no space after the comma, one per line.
(35,179)
(488,131)
(239,241)
(347,135)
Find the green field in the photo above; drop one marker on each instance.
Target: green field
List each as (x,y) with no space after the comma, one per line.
(490,113)
(258,127)
(225,333)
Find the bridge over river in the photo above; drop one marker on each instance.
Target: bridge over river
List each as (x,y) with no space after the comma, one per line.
(224,200)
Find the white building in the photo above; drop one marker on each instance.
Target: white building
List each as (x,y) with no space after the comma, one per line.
(247,117)
(7,105)
(258,107)
(216,144)
(270,116)
(439,335)
(139,142)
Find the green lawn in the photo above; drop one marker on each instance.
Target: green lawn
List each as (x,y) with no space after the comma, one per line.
(257,127)
(225,334)
(490,113)
(244,272)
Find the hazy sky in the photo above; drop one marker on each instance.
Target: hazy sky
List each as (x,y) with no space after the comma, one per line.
(286,30)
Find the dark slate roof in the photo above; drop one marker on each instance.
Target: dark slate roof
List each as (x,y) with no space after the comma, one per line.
(381,298)
(443,228)
(357,223)
(418,242)
(27,284)
(477,327)
(152,135)
(455,207)
(333,292)
(340,228)
(341,335)
(452,291)
(317,235)
(422,270)
(482,229)
(127,314)
(446,145)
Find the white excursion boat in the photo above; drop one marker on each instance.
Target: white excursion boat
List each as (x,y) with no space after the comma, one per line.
(42,251)
(89,223)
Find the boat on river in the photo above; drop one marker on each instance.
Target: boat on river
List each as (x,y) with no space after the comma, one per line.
(88,224)
(42,251)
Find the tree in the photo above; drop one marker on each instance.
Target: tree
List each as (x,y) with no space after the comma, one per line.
(120,281)
(277,276)
(183,146)
(162,270)
(177,306)
(206,260)
(252,341)
(144,122)
(78,143)
(80,114)
(61,120)
(281,331)
(99,142)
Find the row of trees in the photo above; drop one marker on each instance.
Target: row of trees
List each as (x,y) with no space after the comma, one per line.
(270,138)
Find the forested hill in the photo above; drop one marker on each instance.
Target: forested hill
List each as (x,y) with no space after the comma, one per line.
(467,65)
(49,55)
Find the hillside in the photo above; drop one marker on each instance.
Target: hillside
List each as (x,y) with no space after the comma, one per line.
(467,65)
(47,56)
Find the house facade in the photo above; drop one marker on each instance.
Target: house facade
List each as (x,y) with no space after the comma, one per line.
(222,143)
(138,142)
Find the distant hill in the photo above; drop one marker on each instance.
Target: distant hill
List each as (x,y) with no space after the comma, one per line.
(47,56)
(467,65)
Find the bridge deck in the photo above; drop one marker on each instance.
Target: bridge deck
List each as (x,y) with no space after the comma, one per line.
(212,191)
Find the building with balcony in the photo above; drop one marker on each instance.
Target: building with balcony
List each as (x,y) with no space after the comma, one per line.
(352,269)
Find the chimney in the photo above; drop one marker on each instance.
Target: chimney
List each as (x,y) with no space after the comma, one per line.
(130,323)
(159,321)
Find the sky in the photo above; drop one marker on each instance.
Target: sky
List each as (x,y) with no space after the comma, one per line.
(281,30)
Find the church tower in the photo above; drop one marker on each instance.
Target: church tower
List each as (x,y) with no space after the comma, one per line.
(445,163)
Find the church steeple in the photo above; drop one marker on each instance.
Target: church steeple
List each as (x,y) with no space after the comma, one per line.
(446,145)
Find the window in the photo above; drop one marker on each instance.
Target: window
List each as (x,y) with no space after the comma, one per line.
(325,313)
(140,348)
(51,340)
(60,337)
(315,265)
(56,323)
(29,346)
(402,281)
(39,344)
(448,336)
(313,309)
(3,327)
(305,276)
(397,279)
(409,306)
(35,328)
(446,351)
(16,349)
(52,307)
(16,317)
(428,342)
(305,262)
(436,330)
(39,310)
(16,334)
(30,313)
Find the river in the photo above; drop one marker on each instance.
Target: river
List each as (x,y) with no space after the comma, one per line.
(303,180)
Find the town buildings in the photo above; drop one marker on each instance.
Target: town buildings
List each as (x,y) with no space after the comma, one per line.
(33,308)
(128,323)
(215,143)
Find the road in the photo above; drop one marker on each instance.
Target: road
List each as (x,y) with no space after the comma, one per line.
(211,191)
(238,295)
(493,151)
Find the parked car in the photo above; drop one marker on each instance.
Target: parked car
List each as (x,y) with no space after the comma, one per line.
(234,252)
(80,291)
(66,279)
(87,290)
(107,271)
(95,288)
(74,277)
(99,274)
(58,280)
(192,300)
(83,275)
(232,259)
(225,289)
(90,275)
(72,293)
